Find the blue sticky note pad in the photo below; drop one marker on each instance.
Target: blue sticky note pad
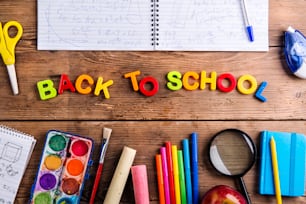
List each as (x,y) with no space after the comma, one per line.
(290,149)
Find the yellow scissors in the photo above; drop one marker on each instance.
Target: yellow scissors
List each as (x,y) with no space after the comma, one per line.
(7,50)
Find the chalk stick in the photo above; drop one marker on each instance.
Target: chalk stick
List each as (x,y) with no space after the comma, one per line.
(140,184)
(120,176)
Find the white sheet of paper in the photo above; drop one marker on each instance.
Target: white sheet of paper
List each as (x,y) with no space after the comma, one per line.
(185,25)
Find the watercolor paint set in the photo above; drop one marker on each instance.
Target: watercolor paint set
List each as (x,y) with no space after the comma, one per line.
(63,169)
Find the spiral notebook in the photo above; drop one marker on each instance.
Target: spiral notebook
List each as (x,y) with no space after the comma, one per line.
(184,25)
(15,151)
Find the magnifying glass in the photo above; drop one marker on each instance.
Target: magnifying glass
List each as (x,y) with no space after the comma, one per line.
(233,153)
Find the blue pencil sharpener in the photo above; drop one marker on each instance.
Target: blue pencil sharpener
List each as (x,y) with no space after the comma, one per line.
(295,52)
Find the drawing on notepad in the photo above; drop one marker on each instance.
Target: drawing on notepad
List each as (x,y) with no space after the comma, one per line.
(11,152)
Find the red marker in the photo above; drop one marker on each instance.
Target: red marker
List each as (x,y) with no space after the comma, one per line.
(170,172)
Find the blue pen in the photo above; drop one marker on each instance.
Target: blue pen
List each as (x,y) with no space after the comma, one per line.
(194,168)
(186,156)
(249,27)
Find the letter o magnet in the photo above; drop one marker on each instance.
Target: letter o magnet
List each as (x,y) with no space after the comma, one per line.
(251,80)
(154,84)
(230,78)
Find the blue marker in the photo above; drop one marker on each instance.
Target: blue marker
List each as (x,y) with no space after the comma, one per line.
(194,168)
(186,156)
(249,27)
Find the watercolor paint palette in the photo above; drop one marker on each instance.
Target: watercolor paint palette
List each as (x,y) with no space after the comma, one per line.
(63,169)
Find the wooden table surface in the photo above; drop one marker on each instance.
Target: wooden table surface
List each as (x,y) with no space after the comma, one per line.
(145,123)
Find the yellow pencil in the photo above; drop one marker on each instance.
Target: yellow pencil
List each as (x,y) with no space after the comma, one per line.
(275,171)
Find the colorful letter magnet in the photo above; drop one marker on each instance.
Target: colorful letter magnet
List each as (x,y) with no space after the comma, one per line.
(63,169)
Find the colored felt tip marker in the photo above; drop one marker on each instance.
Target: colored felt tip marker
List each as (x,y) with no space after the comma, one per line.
(160,181)
(182,176)
(170,171)
(176,175)
(186,156)
(249,27)
(165,174)
(194,168)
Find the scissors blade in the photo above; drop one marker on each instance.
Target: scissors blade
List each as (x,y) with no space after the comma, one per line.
(13,78)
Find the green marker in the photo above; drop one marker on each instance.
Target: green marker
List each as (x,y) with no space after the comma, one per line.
(182,176)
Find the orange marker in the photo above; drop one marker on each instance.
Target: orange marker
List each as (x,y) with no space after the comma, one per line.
(160,180)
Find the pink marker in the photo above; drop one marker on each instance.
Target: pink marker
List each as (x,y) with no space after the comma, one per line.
(165,174)
(140,184)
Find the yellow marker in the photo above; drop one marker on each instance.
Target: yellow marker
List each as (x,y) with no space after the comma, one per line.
(275,171)
(176,174)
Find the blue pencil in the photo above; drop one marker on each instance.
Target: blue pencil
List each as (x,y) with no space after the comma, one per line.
(194,168)
(186,156)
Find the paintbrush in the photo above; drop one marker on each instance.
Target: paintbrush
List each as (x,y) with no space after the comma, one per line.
(106,135)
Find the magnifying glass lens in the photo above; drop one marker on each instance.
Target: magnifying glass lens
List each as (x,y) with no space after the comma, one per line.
(232,152)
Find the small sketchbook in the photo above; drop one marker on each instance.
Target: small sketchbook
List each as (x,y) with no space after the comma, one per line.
(147,25)
(15,152)
(290,147)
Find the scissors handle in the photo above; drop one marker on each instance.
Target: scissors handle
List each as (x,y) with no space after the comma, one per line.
(11,42)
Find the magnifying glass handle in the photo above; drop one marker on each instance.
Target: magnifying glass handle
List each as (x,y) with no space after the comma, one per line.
(244,190)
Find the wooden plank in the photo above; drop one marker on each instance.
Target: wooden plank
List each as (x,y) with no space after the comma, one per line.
(285,94)
(147,137)
(146,123)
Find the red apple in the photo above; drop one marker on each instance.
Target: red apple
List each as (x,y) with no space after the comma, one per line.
(222,194)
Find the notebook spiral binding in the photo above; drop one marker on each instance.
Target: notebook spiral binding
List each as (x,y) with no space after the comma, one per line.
(11,131)
(155,23)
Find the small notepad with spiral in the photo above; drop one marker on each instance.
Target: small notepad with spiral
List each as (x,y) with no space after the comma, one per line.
(147,25)
(15,151)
